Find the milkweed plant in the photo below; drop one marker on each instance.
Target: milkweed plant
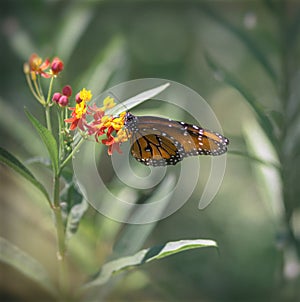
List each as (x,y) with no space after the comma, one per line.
(76,116)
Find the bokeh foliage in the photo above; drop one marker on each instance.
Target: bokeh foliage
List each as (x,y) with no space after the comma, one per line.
(243,57)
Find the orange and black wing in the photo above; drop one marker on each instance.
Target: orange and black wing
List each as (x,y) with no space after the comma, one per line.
(155,150)
(159,142)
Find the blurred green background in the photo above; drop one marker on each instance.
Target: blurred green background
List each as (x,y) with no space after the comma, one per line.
(104,43)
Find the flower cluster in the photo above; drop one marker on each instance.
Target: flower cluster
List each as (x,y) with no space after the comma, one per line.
(46,68)
(37,67)
(62,99)
(101,124)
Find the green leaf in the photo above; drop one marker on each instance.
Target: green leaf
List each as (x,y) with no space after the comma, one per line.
(10,160)
(133,236)
(248,42)
(71,30)
(24,263)
(138,99)
(74,218)
(145,256)
(16,131)
(292,33)
(75,204)
(228,78)
(255,159)
(107,62)
(39,160)
(47,138)
(268,177)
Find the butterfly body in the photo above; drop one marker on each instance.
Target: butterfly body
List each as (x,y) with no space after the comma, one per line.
(158,141)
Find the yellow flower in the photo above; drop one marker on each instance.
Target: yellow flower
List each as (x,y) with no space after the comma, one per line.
(108,103)
(80,109)
(122,136)
(85,95)
(118,122)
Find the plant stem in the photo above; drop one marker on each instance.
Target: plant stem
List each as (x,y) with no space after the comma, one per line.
(47,105)
(61,240)
(72,153)
(33,91)
(48,117)
(60,113)
(49,91)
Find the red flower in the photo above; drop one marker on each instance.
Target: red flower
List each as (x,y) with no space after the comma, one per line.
(78,117)
(112,144)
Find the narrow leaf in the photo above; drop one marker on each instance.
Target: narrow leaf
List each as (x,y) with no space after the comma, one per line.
(47,138)
(248,96)
(292,32)
(24,263)
(138,99)
(74,217)
(268,177)
(10,160)
(71,30)
(175,247)
(39,160)
(108,61)
(248,42)
(134,236)
(256,159)
(145,256)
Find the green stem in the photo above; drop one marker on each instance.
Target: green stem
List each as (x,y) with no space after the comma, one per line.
(72,153)
(61,240)
(49,91)
(33,91)
(60,224)
(48,117)
(47,105)
(60,113)
(38,90)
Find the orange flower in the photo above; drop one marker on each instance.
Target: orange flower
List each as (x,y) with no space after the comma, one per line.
(102,124)
(78,118)
(38,66)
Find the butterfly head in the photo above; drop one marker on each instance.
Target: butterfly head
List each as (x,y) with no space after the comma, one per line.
(130,122)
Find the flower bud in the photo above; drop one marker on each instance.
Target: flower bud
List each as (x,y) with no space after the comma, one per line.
(63,101)
(67,90)
(26,68)
(33,75)
(57,66)
(56,96)
(77,98)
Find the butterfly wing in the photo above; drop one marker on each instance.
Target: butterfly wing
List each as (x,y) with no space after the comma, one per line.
(159,142)
(155,150)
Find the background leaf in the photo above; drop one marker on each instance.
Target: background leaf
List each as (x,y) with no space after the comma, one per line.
(16,165)
(25,264)
(248,96)
(251,45)
(74,218)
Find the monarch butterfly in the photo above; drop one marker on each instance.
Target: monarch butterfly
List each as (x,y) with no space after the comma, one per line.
(158,141)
